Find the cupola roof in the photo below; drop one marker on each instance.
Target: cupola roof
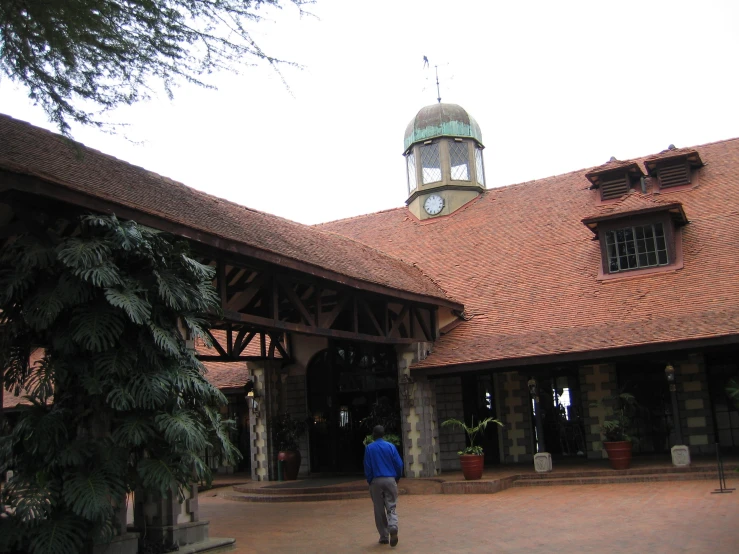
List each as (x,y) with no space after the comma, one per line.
(439,120)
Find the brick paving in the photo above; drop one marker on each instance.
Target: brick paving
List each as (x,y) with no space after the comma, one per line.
(670,517)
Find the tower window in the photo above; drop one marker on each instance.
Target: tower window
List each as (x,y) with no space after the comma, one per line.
(459,160)
(430,163)
(479,171)
(410,161)
(636,247)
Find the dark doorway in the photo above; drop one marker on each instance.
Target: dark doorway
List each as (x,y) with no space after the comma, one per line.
(721,369)
(478,398)
(351,388)
(651,421)
(561,411)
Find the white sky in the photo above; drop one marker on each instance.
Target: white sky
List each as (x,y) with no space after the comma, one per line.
(555,87)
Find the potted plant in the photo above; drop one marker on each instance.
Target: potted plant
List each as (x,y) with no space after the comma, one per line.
(472,458)
(391,438)
(617,442)
(287,432)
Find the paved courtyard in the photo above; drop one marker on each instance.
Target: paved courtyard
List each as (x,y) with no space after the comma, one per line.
(669,517)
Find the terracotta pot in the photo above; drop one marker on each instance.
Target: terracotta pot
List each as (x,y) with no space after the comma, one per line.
(472,465)
(619,454)
(290,464)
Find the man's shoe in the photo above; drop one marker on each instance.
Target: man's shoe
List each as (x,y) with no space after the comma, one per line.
(393,537)
(384,541)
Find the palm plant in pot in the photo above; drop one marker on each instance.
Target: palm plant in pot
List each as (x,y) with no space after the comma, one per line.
(617,442)
(472,458)
(287,432)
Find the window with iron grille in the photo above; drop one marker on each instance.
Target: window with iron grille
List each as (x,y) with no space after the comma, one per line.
(410,161)
(636,247)
(430,163)
(478,166)
(459,160)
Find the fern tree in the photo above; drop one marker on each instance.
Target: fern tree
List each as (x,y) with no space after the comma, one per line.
(92,329)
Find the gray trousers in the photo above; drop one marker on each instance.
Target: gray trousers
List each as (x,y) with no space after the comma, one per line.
(384,493)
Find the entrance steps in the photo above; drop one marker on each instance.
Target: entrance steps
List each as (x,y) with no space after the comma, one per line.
(300,491)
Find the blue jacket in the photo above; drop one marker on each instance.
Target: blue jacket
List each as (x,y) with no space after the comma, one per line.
(381,459)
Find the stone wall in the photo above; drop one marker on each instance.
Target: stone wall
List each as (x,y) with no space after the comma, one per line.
(597,384)
(449,405)
(694,405)
(515,413)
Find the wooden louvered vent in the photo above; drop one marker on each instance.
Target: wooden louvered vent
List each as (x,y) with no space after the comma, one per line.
(614,187)
(674,175)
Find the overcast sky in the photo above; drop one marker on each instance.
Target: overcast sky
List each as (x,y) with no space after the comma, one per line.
(555,87)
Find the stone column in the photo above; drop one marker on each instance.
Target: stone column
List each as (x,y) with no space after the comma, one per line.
(419,424)
(263,455)
(166,520)
(597,382)
(516,417)
(694,403)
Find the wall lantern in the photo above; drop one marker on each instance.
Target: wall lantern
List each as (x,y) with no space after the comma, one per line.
(532,387)
(670,373)
(252,398)
(406,388)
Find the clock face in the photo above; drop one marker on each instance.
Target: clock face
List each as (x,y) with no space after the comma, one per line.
(433,204)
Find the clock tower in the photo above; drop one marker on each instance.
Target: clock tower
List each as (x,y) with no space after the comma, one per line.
(443,156)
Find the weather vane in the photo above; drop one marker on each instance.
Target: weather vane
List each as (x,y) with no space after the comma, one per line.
(436,70)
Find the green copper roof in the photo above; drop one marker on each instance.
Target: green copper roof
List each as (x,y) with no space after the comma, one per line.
(438,120)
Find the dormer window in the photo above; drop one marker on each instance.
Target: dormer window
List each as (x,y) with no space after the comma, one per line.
(638,234)
(673,167)
(615,178)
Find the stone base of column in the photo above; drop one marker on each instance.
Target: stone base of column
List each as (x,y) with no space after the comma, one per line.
(680,455)
(127,543)
(180,534)
(543,462)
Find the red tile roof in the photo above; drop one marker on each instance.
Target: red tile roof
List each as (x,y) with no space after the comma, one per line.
(633,203)
(526,268)
(29,150)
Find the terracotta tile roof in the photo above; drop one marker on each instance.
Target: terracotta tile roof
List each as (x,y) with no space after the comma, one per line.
(691,154)
(526,268)
(613,164)
(33,151)
(632,203)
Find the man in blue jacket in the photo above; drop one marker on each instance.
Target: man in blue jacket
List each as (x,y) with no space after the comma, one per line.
(383,468)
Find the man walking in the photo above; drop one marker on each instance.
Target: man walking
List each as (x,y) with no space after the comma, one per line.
(383,468)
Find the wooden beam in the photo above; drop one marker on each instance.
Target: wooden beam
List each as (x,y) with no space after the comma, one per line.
(209,358)
(328,321)
(262,345)
(280,348)
(284,326)
(372,318)
(241,346)
(297,302)
(422,324)
(217,345)
(245,297)
(399,320)
(222,285)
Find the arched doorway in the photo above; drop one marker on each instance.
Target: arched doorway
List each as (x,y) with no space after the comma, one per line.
(351,388)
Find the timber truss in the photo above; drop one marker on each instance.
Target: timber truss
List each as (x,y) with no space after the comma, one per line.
(263,304)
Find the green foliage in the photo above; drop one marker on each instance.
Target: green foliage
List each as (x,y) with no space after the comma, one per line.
(105,53)
(287,432)
(471,431)
(391,438)
(732,389)
(615,427)
(118,400)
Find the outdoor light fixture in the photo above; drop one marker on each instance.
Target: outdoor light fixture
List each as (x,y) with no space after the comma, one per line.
(532,386)
(670,373)
(251,397)
(406,388)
